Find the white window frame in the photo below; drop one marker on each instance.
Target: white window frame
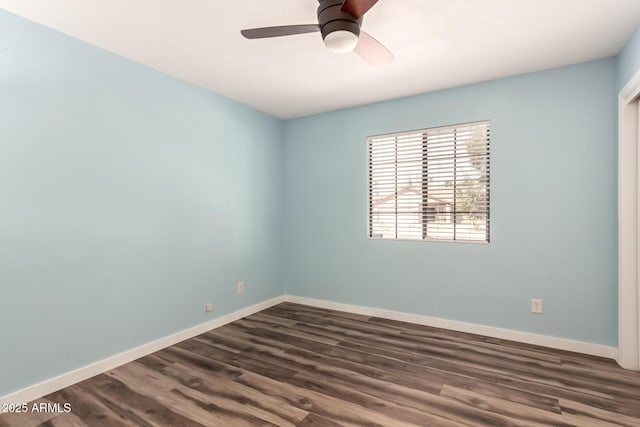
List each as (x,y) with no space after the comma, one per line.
(406,233)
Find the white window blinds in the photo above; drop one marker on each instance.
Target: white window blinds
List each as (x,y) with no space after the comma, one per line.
(430,184)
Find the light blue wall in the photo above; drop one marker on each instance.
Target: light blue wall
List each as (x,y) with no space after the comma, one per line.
(128,200)
(629,59)
(553,208)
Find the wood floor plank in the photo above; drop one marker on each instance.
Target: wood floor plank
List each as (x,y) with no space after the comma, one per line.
(585,414)
(328,406)
(335,368)
(295,365)
(140,380)
(64,420)
(239,361)
(347,375)
(344,390)
(559,392)
(91,408)
(144,408)
(522,413)
(313,420)
(27,419)
(533,400)
(237,396)
(292,331)
(436,337)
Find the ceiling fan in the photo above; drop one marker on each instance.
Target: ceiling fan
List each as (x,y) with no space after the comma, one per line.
(339,22)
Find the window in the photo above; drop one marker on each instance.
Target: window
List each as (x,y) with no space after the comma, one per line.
(430,184)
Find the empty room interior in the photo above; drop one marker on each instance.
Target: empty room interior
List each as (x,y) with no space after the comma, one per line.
(319,213)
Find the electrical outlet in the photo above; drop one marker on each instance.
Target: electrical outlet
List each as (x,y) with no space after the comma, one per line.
(241,287)
(208,307)
(536,306)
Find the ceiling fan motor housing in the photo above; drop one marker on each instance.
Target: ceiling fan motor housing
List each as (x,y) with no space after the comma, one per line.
(331,18)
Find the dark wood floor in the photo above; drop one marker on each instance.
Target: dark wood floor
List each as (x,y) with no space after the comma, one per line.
(294,365)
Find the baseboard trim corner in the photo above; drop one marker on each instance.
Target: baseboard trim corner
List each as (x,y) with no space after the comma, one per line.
(67,379)
(472,328)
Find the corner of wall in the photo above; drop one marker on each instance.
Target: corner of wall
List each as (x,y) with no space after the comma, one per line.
(628,60)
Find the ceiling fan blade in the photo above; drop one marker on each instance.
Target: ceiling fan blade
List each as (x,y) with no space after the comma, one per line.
(372,51)
(284,30)
(357,8)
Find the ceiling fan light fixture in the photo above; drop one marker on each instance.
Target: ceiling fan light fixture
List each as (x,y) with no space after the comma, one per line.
(339,22)
(341,41)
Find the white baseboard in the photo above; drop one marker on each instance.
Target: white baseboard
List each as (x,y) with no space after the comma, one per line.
(489,331)
(54,384)
(49,386)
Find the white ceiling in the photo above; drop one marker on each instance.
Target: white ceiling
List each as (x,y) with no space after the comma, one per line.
(437,44)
